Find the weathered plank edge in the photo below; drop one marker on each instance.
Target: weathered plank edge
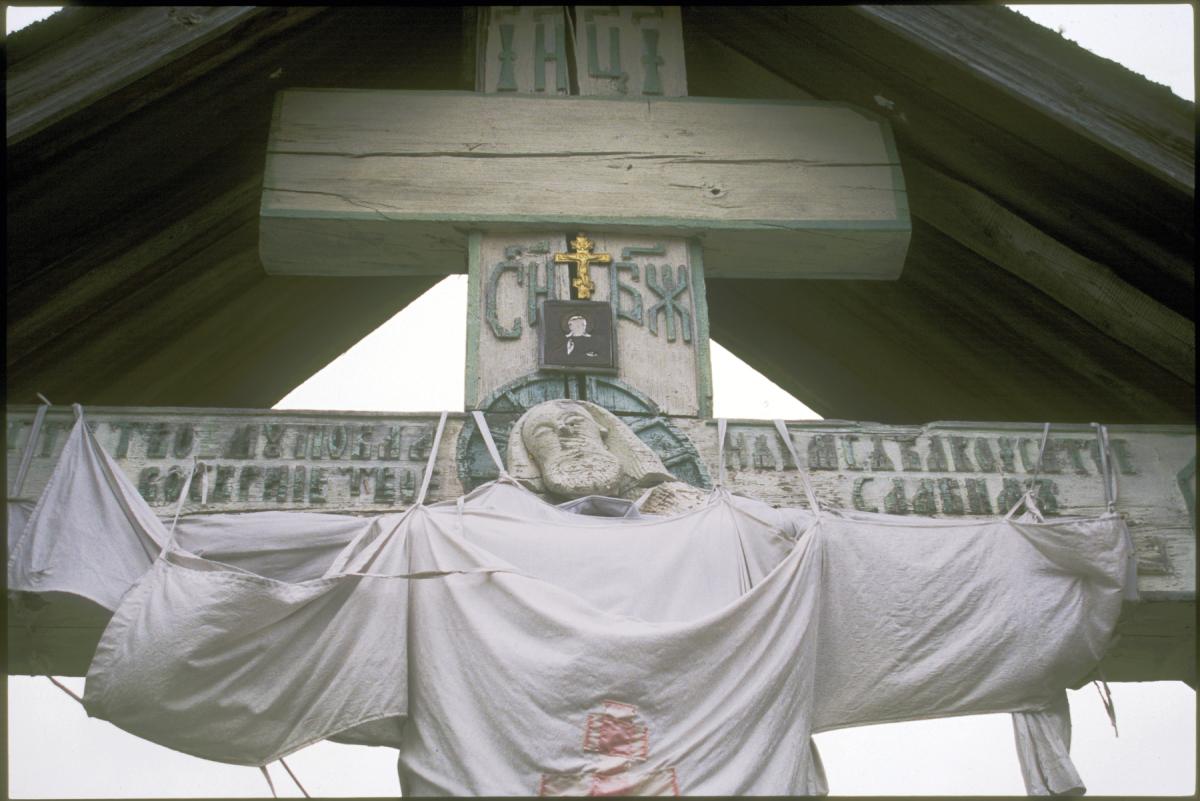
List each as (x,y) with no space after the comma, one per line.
(866,113)
(474,255)
(684,225)
(704,383)
(63,410)
(1108,128)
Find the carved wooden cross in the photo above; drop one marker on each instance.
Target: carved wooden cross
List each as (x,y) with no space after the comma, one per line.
(667,189)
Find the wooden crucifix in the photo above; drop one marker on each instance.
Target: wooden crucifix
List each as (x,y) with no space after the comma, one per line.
(672,189)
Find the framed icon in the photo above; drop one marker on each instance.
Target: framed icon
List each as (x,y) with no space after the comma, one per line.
(577,336)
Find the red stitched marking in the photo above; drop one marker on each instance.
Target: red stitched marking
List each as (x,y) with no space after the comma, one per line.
(615,733)
(630,707)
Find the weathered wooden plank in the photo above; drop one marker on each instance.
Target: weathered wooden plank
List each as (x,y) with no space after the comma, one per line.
(98,289)
(510,277)
(629,51)
(524,50)
(814,176)
(658,300)
(1084,286)
(123,48)
(1077,192)
(935,346)
(370,462)
(1109,108)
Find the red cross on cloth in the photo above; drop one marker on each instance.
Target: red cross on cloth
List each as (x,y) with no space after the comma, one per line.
(622,741)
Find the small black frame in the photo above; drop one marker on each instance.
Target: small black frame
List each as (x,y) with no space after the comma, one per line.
(577,336)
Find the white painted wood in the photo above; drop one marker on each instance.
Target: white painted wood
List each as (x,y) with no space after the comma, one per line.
(518,26)
(671,373)
(666,371)
(502,360)
(642,33)
(809,178)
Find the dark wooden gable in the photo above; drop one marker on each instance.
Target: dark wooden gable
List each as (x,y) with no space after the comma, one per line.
(1049,276)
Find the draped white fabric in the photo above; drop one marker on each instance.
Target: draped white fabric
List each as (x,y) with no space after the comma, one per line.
(508,646)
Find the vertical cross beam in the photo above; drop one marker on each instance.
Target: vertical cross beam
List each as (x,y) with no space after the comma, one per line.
(617,50)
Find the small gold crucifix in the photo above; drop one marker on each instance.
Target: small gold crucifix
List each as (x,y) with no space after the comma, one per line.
(583,257)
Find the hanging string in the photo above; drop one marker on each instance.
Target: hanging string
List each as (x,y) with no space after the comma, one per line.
(1110,476)
(1028,499)
(490,443)
(1037,468)
(270,783)
(809,492)
(187,485)
(27,454)
(64,688)
(293,775)
(721,423)
(433,450)
(1106,698)
(38,666)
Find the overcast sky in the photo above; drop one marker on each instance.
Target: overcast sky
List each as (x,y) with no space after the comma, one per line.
(56,751)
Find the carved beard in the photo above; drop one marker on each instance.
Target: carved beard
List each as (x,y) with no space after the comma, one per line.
(576,473)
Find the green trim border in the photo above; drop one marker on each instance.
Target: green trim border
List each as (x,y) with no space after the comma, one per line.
(549,98)
(474,282)
(657,223)
(704,383)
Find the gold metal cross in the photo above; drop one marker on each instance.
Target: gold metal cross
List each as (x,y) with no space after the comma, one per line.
(583,257)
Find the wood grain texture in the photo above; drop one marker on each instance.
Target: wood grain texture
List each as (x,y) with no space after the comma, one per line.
(1087,288)
(673,373)
(643,34)
(125,49)
(158,188)
(807,174)
(509,55)
(1092,201)
(501,360)
(1107,107)
(665,370)
(368,462)
(934,345)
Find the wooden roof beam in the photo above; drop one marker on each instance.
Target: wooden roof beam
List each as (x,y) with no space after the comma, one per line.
(115,64)
(1111,107)
(1111,212)
(1088,288)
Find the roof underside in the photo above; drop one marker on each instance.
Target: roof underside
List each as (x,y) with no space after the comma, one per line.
(1050,274)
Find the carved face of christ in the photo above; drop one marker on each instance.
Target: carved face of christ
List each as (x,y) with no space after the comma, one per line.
(569,448)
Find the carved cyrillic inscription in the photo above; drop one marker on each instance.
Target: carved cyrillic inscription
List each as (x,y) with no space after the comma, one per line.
(373,462)
(968,474)
(525,51)
(261,465)
(671,292)
(630,50)
(654,285)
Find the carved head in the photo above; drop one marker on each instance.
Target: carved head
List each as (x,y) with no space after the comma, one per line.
(574,448)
